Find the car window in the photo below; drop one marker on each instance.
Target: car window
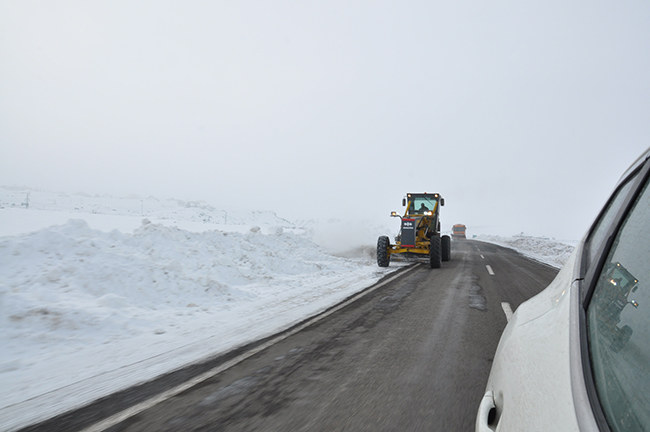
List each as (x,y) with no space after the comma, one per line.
(618,323)
(599,233)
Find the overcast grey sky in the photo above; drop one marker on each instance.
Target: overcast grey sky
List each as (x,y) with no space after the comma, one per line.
(523,114)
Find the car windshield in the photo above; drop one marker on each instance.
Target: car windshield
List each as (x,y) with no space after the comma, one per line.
(423,204)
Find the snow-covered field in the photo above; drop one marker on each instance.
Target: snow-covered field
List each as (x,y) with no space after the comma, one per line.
(550,251)
(99,293)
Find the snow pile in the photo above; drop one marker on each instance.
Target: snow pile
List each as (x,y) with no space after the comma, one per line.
(549,251)
(80,273)
(86,312)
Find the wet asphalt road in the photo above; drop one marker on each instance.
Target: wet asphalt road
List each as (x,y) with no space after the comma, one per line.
(414,355)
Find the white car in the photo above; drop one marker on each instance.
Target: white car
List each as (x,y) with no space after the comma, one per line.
(576,357)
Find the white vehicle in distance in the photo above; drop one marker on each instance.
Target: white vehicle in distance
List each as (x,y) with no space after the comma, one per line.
(576,357)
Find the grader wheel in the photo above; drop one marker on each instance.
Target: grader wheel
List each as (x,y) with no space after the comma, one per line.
(446,247)
(435,253)
(383,258)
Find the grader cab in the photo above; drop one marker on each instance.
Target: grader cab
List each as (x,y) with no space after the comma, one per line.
(419,235)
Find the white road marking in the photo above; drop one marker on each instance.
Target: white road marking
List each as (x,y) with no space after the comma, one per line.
(482,257)
(136,409)
(507,310)
(489,269)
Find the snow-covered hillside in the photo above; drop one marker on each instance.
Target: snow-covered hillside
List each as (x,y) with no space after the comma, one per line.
(99,293)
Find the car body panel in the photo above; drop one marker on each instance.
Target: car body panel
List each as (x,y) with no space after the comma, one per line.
(532,363)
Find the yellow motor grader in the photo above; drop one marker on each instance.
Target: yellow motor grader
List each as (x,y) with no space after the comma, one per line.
(419,233)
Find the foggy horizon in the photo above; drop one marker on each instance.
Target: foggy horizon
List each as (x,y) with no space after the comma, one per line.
(522,116)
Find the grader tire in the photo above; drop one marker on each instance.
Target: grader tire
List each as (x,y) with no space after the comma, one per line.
(435,252)
(383,258)
(446,247)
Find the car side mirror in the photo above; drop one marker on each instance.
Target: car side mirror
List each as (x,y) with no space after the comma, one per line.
(442,201)
(403,202)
